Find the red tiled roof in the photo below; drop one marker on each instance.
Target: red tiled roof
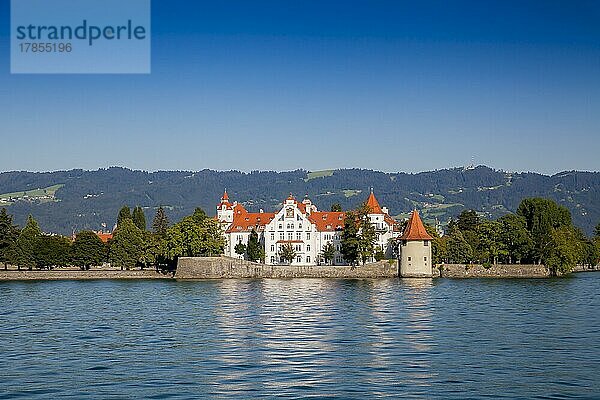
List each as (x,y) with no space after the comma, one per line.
(327,220)
(373,204)
(415,230)
(105,237)
(245,221)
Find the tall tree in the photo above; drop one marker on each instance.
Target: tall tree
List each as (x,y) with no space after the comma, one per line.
(126,246)
(515,237)
(459,250)
(52,251)
(195,236)
(350,240)
(160,224)
(490,245)
(87,250)
(468,220)
(542,217)
(124,213)
(565,251)
(328,252)
(26,244)
(139,218)
(254,247)
(287,252)
(367,234)
(8,237)
(336,207)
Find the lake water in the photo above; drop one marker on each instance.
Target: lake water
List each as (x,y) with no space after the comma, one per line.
(301,338)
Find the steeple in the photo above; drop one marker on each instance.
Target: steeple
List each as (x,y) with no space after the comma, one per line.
(415,230)
(373,204)
(225,198)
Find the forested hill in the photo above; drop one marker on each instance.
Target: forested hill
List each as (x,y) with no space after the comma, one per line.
(64,201)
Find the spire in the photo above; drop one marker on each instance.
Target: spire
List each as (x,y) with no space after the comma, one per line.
(373,204)
(415,230)
(291,197)
(225,197)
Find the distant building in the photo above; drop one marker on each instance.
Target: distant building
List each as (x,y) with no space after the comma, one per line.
(105,237)
(303,226)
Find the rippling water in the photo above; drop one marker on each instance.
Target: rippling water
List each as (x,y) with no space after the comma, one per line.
(301,338)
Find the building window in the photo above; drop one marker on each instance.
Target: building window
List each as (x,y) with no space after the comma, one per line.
(299,259)
(307,235)
(308,247)
(281,237)
(426,243)
(307,259)
(272,248)
(298,247)
(280,226)
(408,258)
(300,226)
(424,258)
(272,235)
(298,235)
(289,235)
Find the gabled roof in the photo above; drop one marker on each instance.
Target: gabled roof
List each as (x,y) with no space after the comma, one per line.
(327,221)
(373,204)
(415,230)
(244,221)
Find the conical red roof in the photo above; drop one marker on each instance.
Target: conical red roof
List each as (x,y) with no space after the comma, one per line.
(373,204)
(225,196)
(415,230)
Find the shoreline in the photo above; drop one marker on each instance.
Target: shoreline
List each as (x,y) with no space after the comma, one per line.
(237,270)
(98,274)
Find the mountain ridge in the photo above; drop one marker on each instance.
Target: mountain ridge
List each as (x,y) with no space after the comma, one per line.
(88,199)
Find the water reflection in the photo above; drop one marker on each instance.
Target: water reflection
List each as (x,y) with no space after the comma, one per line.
(392,338)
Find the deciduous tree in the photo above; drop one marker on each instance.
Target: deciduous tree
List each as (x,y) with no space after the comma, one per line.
(126,246)
(87,250)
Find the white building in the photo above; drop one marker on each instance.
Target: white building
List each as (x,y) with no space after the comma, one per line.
(301,225)
(415,249)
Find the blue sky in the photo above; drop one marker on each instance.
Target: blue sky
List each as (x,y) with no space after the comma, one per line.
(279,85)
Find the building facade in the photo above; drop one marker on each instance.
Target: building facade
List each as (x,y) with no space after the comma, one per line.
(415,249)
(301,225)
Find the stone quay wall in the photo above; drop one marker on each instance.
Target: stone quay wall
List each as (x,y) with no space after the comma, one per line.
(53,275)
(495,271)
(226,268)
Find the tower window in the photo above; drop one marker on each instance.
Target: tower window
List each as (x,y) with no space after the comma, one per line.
(424,258)
(426,243)
(409,258)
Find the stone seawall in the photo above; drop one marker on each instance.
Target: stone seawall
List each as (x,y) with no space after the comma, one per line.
(226,267)
(54,275)
(495,271)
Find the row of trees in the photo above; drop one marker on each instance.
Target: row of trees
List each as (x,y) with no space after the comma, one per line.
(132,245)
(541,231)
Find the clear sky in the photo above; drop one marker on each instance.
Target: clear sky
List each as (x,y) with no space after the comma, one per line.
(279,85)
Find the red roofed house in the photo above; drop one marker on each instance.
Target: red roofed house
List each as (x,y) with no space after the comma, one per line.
(302,225)
(415,249)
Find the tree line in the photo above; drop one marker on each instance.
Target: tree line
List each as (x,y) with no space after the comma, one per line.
(540,232)
(132,244)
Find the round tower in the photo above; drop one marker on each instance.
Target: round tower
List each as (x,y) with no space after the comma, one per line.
(415,249)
